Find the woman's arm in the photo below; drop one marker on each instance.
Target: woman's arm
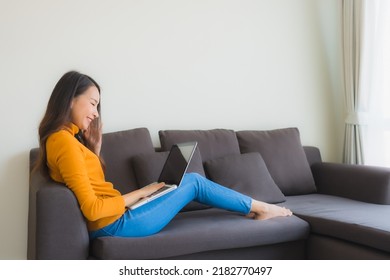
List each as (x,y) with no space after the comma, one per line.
(132,197)
(71,163)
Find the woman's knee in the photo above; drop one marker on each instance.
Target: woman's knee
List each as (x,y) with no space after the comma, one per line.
(193,177)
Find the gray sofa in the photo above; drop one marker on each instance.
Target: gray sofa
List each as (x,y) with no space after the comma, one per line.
(340,211)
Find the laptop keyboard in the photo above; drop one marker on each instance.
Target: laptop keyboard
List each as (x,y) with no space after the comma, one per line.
(160,190)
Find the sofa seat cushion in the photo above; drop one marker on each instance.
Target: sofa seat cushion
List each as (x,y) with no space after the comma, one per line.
(202,231)
(363,223)
(247,174)
(284,156)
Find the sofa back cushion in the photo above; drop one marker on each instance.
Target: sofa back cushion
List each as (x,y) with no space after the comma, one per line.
(118,149)
(212,144)
(284,156)
(148,167)
(247,174)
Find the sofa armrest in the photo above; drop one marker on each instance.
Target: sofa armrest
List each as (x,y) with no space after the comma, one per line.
(364,183)
(61,231)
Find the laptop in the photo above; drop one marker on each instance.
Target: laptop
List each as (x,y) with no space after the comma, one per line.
(173,171)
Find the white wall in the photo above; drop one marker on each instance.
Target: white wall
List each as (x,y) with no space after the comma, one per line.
(173,64)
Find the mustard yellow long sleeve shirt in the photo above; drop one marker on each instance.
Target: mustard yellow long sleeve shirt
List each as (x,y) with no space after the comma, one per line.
(73,164)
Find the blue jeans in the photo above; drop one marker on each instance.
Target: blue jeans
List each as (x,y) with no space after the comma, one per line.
(155,215)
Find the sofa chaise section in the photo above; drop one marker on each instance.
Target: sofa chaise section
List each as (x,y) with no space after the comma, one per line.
(361,229)
(349,213)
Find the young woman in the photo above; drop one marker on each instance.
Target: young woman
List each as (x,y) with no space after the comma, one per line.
(70,139)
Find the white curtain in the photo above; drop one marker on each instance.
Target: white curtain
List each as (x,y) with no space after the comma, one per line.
(377,133)
(362,44)
(352,53)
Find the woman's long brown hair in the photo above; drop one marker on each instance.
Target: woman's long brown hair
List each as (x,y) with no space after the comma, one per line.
(58,113)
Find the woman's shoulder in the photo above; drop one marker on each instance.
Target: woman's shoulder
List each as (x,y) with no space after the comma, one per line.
(63,134)
(62,138)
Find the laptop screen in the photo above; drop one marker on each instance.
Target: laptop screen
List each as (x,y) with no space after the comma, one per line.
(177,162)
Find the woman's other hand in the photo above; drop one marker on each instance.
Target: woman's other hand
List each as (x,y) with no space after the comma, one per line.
(151,188)
(132,197)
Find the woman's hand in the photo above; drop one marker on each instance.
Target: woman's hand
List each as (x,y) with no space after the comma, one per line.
(151,188)
(93,136)
(132,197)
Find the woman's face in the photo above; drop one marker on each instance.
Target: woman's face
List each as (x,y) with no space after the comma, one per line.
(84,108)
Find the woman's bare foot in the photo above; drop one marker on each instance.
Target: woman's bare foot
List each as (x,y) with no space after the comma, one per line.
(251,215)
(265,211)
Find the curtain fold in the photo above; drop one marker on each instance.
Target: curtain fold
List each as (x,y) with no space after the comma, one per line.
(353,54)
(363,51)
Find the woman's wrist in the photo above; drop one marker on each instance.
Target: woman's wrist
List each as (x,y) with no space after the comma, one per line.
(132,197)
